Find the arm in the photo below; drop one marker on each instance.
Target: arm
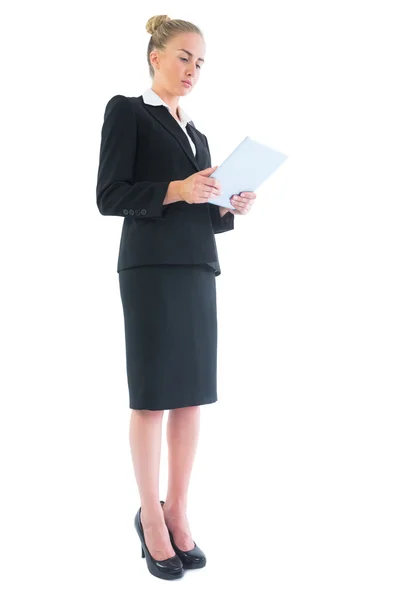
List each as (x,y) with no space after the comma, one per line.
(221,223)
(222,220)
(116,192)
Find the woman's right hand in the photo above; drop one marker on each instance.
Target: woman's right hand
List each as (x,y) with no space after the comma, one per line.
(200,188)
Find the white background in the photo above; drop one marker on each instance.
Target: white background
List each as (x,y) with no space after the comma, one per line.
(295,487)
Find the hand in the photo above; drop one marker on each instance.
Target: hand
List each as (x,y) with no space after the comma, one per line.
(200,187)
(242,203)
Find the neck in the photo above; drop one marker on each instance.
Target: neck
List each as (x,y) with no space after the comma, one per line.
(168,98)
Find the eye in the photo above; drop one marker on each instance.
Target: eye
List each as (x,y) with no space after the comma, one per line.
(187,60)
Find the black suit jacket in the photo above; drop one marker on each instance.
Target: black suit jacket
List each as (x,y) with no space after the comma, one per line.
(142,150)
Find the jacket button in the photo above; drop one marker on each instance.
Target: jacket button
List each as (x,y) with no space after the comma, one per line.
(143,211)
(131,211)
(125,211)
(137,212)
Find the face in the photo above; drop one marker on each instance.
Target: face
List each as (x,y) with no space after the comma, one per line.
(174,65)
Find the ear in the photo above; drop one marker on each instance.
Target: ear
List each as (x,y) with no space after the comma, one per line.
(154,55)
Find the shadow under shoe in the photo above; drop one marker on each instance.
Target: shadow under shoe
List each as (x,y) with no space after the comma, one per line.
(170,568)
(191,559)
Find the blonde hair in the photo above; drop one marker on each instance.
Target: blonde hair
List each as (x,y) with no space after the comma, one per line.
(162,29)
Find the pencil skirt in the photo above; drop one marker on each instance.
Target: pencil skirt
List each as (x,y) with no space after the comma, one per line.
(170,318)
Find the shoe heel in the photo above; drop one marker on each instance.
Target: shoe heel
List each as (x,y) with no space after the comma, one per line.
(142,552)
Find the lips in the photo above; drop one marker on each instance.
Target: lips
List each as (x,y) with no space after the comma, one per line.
(187,82)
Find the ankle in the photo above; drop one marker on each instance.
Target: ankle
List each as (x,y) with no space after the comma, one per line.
(175,507)
(151,514)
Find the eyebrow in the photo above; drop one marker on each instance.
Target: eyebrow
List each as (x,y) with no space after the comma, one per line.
(190,54)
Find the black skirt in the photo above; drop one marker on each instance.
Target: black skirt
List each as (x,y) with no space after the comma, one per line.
(170,316)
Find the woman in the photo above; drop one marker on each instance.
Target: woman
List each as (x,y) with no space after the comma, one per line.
(154,170)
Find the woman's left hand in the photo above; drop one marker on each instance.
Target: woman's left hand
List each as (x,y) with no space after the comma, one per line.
(243,203)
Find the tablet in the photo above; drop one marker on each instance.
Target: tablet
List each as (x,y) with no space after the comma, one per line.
(245,169)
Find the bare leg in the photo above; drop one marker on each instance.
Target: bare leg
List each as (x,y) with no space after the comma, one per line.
(145,441)
(183,429)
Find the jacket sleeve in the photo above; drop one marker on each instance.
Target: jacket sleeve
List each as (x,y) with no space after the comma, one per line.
(116,192)
(220,224)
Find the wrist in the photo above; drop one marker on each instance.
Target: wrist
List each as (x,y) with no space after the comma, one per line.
(173,192)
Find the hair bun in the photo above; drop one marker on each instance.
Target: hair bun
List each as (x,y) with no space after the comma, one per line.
(154,23)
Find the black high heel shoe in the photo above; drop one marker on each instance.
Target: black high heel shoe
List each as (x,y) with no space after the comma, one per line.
(170,568)
(191,559)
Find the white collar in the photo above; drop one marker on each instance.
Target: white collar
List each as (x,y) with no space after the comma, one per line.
(150,97)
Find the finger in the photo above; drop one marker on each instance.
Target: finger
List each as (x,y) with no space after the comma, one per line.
(245,201)
(208,194)
(205,196)
(212,188)
(238,202)
(211,181)
(241,207)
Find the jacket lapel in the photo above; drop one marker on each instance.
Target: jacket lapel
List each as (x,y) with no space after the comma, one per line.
(163,116)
